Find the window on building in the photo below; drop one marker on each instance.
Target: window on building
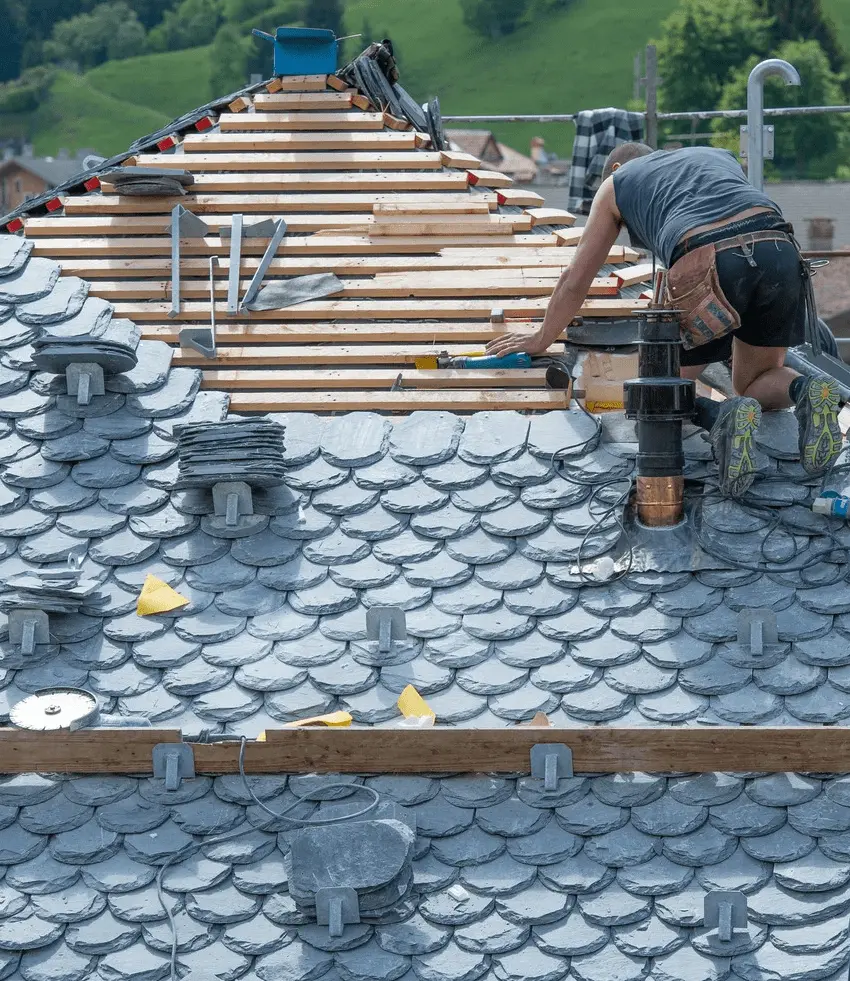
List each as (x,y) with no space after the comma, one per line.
(18,186)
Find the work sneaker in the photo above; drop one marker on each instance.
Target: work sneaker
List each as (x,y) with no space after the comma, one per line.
(817,416)
(731,439)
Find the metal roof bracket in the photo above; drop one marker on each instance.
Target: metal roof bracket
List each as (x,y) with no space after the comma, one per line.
(725,912)
(335,907)
(385,624)
(202,339)
(232,499)
(757,629)
(551,762)
(173,762)
(183,224)
(83,380)
(265,262)
(28,628)
(235,263)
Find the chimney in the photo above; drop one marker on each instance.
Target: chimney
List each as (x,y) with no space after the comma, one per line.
(660,400)
(8,152)
(821,234)
(27,151)
(63,153)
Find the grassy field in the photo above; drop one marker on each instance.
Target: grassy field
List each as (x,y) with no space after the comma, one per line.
(559,64)
(76,115)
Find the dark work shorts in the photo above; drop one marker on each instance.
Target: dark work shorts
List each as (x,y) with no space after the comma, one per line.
(769,297)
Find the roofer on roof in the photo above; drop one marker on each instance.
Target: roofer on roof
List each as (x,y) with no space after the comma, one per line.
(735,272)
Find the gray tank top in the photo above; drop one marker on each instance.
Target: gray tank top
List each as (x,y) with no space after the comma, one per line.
(665,194)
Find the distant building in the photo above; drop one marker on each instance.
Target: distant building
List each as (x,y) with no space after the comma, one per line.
(483,144)
(26,176)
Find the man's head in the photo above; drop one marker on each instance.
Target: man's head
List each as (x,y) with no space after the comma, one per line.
(622,154)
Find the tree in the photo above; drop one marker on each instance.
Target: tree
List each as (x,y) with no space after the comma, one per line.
(803,145)
(326,14)
(191,23)
(229,60)
(703,42)
(493,18)
(796,21)
(111,30)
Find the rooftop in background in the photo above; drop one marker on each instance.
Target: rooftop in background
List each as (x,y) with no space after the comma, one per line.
(23,176)
(483,144)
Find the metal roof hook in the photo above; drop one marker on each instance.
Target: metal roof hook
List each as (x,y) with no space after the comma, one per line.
(755,113)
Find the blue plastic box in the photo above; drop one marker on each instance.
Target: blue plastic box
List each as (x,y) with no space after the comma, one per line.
(302,50)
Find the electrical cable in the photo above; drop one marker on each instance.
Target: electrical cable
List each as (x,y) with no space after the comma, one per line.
(238,832)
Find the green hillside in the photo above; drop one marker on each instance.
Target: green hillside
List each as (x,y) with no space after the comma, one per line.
(557,64)
(552,65)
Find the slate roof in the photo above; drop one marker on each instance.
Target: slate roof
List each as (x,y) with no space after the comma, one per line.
(602,881)
(473,524)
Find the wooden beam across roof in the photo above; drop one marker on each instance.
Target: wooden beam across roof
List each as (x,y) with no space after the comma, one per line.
(296,142)
(452,284)
(304,245)
(473,333)
(449,224)
(311,101)
(483,259)
(266,183)
(298,83)
(595,749)
(320,380)
(367,202)
(305,160)
(330,309)
(295,121)
(438,400)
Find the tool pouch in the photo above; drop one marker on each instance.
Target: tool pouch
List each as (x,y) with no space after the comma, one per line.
(694,288)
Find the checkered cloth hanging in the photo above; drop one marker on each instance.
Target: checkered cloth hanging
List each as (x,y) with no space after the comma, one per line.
(598,131)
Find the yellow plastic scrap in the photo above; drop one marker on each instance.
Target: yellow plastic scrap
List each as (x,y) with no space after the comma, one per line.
(158,597)
(413,706)
(333,720)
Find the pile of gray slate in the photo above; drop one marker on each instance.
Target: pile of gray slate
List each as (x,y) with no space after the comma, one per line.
(114,351)
(236,450)
(372,858)
(51,591)
(148,181)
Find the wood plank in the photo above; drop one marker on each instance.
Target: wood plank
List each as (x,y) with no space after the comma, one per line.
(310,102)
(457,224)
(294,355)
(240,104)
(300,83)
(335,82)
(634,274)
(399,285)
(371,401)
(392,122)
(390,205)
(284,142)
(361,101)
(595,749)
(519,197)
(551,216)
(303,161)
(568,236)
(472,333)
(423,202)
(494,224)
(295,121)
(378,310)
(361,379)
(483,259)
(330,244)
(455,158)
(489,178)
(307,182)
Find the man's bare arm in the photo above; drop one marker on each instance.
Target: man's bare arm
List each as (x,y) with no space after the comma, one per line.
(600,233)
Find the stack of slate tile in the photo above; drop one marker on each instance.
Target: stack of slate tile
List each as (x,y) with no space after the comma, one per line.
(373,858)
(250,450)
(51,591)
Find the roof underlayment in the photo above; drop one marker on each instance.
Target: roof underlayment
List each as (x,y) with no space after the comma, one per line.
(472,524)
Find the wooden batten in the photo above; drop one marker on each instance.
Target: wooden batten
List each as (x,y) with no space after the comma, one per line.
(243,182)
(295,121)
(550,216)
(306,161)
(285,142)
(595,749)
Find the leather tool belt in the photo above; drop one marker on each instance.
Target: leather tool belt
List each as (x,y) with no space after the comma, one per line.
(693,287)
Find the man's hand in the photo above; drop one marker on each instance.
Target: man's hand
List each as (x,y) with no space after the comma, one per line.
(530,343)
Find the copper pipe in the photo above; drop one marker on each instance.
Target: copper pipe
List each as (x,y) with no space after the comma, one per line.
(660,500)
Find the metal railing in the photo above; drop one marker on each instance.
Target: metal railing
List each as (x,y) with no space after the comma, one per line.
(661,116)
